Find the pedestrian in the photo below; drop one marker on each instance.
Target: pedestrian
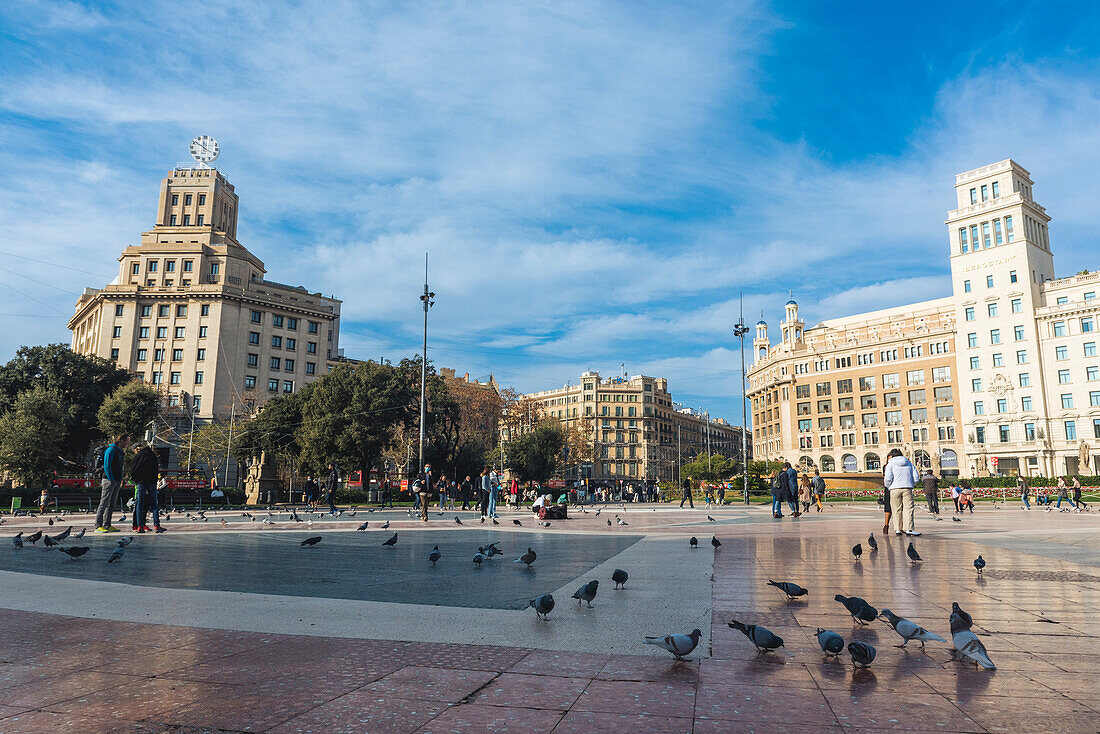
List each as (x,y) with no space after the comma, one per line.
(886,510)
(966,498)
(144,469)
(805,492)
(900,477)
(1063,493)
(513,492)
(331,486)
(956,491)
(1077,494)
(721,493)
(932,492)
(443,486)
(111,484)
(790,488)
(687,487)
(465,491)
(778,481)
(1024,490)
(424,490)
(484,485)
(818,485)
(494,492)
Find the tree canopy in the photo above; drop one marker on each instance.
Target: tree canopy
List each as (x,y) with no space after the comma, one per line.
(128,410)
(710,468)
(32,436)
(538,453)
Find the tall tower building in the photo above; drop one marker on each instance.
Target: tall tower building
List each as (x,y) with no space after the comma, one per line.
(1000,259)
(192,312)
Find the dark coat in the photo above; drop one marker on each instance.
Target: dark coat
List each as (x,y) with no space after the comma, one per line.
(145,466)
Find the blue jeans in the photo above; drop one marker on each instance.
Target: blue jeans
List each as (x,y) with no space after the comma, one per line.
(1026,503)
(416,500)
(492,512)
(145,498)
(1067,499)
(777,506)
(793,505)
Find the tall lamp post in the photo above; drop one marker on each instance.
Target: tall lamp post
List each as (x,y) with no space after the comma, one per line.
(739,331)
(428,300)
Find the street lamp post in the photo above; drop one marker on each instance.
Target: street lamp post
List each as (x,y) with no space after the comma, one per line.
(427,300)
(739,331)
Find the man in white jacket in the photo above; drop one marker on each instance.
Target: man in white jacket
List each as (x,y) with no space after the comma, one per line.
(899,478)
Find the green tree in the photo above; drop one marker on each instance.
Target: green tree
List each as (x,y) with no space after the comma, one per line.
(709,468)
(32,436)
(275,430)
(538,453)
(128,410)
(81,384)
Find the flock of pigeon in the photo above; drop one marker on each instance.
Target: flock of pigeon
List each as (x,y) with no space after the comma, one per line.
(73,551)
(967,646)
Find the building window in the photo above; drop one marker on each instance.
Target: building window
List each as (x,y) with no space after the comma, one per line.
(202,332)
(998,360)
(215,268)
(1067,400)
(1092,372)
(249,382)
(173,378)
(976,384)
(177,355)
(313,327)
(914,377)
(169,266)
(158,355)
(200,355)
(997,238)
(143,332)
(1025,402)
(288,365)
(1071,430)
(186,220)
(257,317)
(198,378)
(253,360)
(1094,399)
(972,340)
(985,192)
(1002,405)
(988,279)
(291,323)
(162,332)
(188,265)
(994,336)
(1018,333)
(288,386)
(974,363)
(276,342)
(162,311)
(181,311)
(969,313)
(311,368)
(146,311)
(1061,352)
(200,220)
(945,413)
(973,197)
(1090,349)
(979,407)
(172,220)
(1029,431)
(1063,377)
(1003,430)
(277,321)
(204,310)
(1011,276)
(1021,356)
(1025,379)
(1087,325)
(1058,328)
(142,355)
(273,386)
(992,309)
(180,330)
(311,347)
(292,343)
(890,381)
(918,415)
(996,189)
(966,284)
(275,363)
(116,332)
(156,378)
(187,200)
(175,199)
(151,266)
(979,434)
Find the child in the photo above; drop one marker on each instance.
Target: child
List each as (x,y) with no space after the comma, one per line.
(956,490)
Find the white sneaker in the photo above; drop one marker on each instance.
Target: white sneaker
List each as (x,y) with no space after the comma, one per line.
(913,532)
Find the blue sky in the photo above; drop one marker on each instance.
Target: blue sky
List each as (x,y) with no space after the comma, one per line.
(595,182)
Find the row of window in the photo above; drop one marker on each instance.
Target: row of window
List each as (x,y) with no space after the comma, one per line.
(161,332)
(991,235)
(985,192)
(272,384)
(870,438)
(940,394)
(278,363)
(277,321)
(1060,328)
(163,310)
(158,354)
(864,358)
(277,342)
(1004,432)
(187,199)
(174,378)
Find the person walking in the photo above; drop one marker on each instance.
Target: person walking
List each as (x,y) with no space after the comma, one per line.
(778,482)
(144,469)
(818,486)
(805,492)
(1077,494)
(789,488)
(111,484)
(465,490)
(721,493)
(932,492)
(331,485)
(956,492)
(1024,490)
(513,493)
(484,485)
(494,492)
(425,484)
(1063,493)
(687,487)
(900,477)
(443,485)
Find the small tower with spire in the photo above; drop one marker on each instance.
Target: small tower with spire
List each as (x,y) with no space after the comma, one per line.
(760,343)
(792,326)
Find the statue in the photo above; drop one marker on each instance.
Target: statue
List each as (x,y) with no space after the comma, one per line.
(907,450)
(936,460)
(979,465)
(1084,458)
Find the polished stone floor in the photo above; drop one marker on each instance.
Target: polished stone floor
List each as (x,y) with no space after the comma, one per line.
(1037,610)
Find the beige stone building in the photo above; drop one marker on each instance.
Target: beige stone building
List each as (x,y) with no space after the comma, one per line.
(1006,367)
(192,312)
(638,431)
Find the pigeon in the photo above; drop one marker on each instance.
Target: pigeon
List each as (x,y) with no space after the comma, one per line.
(609,522)
(831,643)
(34,537)
(492,550)
(619,576)
(908,630)
(861,611)
(478,558)
(955,519)
(694,542)
(764,639)
(620,520)
(457,520)
(789,588)
(362,527)
(528,558)
(386,525)
(117,555)
(911,551)
(872,543)
(715,542)
(857,550)
(50,521)
(967,620)
(391,542)
(586,593)
(599,511)
(547,524)
(862,653)
(677,644)
(63,534)
(542,604)
(310,542)
(17,541)
(81,533)
(50,542)
(979,564)
(75,552)
(482,519)
(122,519)
(123,542)
(495,521)
(967,645)
(517,522)
(711,519)
(435,555)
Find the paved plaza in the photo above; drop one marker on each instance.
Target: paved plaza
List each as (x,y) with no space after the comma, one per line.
(235,627)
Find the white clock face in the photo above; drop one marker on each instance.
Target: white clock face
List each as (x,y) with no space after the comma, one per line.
(204,149)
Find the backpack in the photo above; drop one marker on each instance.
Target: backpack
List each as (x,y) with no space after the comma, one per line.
(97,466)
